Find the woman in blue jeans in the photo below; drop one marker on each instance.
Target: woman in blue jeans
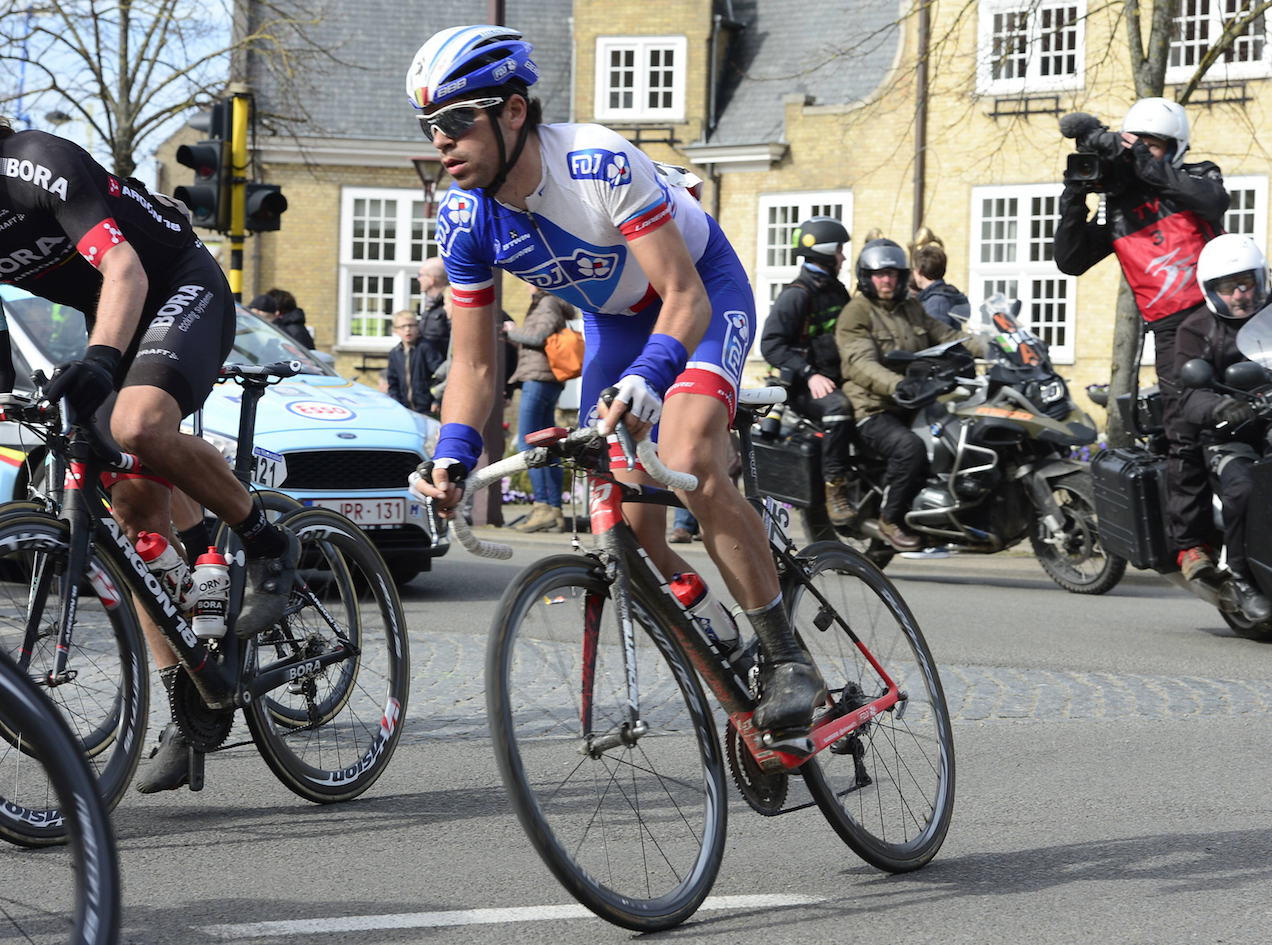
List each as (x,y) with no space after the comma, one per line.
(539,392)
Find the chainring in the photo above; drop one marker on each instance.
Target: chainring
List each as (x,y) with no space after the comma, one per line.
(766,793)
(205,729)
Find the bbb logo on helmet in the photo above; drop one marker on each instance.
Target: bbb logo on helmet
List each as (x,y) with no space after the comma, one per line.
(599,164)
(449,87)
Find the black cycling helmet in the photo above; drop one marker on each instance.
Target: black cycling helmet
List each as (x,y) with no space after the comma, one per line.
(882,254)
(818,239)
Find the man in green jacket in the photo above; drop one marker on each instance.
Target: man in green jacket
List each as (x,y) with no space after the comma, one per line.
(879,319)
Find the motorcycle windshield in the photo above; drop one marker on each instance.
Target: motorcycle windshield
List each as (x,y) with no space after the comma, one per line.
(1012,343)
(1254,340)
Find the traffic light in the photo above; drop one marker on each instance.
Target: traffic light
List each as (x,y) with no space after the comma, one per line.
(209,197)
(264,204)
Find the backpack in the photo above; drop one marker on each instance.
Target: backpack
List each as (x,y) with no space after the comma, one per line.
(565,354)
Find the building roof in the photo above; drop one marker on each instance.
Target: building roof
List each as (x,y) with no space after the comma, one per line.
(838,51)
(377,39)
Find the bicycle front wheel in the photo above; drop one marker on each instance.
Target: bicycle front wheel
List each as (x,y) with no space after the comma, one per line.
(329,733)
(633,828)
(53,904)
(888,787)
(104,695)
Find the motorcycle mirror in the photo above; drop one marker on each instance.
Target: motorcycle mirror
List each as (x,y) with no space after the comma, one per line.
(899,357)
(1245,375)
(1197,374)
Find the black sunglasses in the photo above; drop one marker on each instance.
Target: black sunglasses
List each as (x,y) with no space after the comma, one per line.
(456,120)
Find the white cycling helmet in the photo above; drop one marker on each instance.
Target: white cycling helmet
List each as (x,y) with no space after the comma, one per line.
(1227,256)
(463,58)
(1160,118)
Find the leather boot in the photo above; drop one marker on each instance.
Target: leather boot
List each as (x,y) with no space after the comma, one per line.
(899,537)
(838,507)
(1251,603)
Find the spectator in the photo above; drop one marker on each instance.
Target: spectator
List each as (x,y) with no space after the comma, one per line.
(292,319)
(434,315)
(935,294)
(409,376)
(265,307)
(539,393)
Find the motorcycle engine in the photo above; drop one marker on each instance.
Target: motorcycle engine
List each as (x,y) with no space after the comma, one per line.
(976,484)
(933,497)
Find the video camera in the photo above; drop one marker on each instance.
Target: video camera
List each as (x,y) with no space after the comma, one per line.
(1099,165)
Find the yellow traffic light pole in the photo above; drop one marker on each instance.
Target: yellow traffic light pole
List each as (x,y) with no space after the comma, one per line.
(241,103)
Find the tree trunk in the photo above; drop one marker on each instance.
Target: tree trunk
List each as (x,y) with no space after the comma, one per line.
(1124,372)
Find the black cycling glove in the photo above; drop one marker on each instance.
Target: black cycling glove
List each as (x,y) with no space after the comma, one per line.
(1233,412)
(85,383)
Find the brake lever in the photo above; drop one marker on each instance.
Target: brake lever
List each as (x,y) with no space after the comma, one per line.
(625,440)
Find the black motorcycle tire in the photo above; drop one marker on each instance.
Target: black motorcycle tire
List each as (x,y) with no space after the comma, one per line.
(817,527)
(1079,511)
(1259,632)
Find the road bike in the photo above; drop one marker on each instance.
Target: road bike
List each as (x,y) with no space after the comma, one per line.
(324,691)
(56,901)
(607,744)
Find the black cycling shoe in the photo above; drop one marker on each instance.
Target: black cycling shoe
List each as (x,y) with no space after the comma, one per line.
(269,586)
(792,691)
(169,766)
(1252,604)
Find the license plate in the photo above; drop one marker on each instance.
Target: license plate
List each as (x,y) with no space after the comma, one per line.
(367,512)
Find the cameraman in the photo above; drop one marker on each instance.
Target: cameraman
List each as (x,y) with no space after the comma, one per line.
(1233,274)
(1159,213)
(799,336)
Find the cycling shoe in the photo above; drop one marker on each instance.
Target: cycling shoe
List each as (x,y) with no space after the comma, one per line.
(791,692)
(169,766)
(269,586)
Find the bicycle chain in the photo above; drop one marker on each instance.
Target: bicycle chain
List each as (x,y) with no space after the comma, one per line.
(205,729)
(766,793)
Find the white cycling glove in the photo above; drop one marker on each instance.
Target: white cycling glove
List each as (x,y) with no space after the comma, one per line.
(642,403)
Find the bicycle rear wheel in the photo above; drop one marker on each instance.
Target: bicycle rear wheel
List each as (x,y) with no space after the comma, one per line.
(56,901)
(634,832)
(105,697)
(888,787)
(330,732)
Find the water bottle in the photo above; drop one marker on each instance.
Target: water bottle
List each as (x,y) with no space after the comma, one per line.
(169,567)
(211,595)
(702,605)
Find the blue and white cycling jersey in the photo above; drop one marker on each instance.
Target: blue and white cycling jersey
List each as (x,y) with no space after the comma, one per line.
(598,191)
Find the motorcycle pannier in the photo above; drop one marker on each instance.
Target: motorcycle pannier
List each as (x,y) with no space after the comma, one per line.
(1130,500)
(789,469)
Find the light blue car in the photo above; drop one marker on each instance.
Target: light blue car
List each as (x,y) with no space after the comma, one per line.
(325,440)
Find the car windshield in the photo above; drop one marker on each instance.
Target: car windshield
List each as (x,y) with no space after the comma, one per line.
(59,334)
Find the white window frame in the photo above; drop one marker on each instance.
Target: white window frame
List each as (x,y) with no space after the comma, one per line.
(771,274)
(1214,12)
(1021,269)
(403,268)
(1038,57)
(1254,222)
(641,46)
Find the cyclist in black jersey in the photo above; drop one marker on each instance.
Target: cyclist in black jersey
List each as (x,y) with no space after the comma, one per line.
(161,321)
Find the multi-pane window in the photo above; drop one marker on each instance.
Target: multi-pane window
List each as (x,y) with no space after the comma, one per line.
(384,236)
(776,262)
(1030,47)
(1248,209)
(640,78)
(1013,229)
(1200,23)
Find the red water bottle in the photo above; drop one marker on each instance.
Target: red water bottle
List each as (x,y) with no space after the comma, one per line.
(696,597)
(164,563)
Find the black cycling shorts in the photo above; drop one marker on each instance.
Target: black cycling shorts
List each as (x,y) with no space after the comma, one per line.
(189,331)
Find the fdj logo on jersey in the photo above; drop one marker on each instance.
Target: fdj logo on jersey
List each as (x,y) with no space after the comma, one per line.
(454,216)
(583,266)
(599,164)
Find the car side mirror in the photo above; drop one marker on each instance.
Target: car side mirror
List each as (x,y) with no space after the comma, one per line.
(1245,375)
(1197,374)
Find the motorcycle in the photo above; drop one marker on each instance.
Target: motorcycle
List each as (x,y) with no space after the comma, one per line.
(1130,482)
(998,444)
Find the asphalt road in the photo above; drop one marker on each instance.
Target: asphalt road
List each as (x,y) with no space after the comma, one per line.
(1111,787)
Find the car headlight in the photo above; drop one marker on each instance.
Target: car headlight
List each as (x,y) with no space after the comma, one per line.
(427,429)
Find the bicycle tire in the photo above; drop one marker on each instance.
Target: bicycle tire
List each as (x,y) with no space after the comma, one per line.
(106,702)
(41,908)
(897,815)
(638,840)
(330,733)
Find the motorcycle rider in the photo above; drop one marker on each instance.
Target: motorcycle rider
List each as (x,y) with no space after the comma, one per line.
(1157,223)
(880,319)
(799,336)
(1233,274)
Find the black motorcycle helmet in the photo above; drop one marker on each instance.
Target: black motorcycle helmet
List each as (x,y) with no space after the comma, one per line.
(882,254)
(818,239)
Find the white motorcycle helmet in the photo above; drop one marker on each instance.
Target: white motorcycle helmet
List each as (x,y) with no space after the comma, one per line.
(1228,256)
(1160,118)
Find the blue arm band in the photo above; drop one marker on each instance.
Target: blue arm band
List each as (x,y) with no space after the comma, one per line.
(661,361)
(458,441)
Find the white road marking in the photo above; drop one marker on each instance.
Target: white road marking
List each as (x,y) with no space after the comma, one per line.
(427,920)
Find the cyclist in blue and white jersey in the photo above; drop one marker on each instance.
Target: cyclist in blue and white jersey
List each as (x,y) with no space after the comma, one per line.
(668,312)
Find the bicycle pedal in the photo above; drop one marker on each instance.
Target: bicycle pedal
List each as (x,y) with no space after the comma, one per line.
(196,760)
(800,745)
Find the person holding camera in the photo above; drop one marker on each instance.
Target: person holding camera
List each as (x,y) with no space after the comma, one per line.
(799,338)
(1159,214)
(1233,275)
(881,318)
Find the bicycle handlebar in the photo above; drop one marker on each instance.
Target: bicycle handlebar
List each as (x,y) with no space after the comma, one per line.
(15,406)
